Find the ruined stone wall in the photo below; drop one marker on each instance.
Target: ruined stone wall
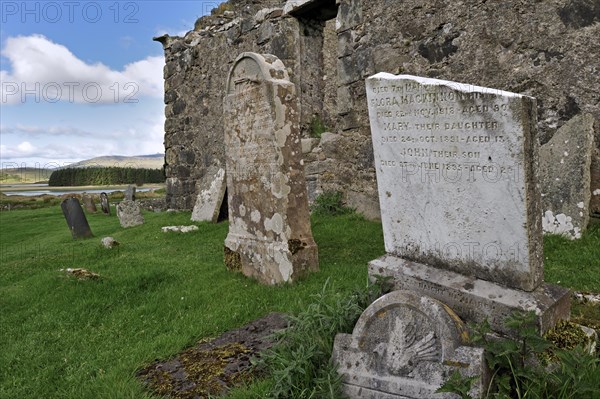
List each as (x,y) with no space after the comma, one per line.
(546,49)
(195,74)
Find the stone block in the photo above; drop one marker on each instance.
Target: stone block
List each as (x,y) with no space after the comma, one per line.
(474,299)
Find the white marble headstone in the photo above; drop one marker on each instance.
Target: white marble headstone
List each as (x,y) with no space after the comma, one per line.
(456,172)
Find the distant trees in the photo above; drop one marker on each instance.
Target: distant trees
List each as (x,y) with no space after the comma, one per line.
(101,176)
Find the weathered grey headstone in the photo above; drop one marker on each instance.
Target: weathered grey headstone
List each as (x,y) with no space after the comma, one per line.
(457,177)
(88,203)
(210,198)
(129,213)
(270,236)
(130,192)
(565,164)
(76,219)
(406,346)
(104,204)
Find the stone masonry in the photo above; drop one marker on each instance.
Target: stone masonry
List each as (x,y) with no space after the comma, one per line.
(547,50)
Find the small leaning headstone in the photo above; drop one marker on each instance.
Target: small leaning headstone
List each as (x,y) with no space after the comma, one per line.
(270,235)
(76,219)
(130,193)
(210,198)
(88,203)
(104,204)
(129,213)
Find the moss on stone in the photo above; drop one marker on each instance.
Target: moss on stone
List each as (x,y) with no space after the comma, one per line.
(233,260)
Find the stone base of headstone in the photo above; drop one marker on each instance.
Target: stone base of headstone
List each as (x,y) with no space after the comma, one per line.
(406,346)
(271,262)
(474,299)
(129,213)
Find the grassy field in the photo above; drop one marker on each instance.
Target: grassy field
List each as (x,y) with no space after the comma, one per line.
(162,292)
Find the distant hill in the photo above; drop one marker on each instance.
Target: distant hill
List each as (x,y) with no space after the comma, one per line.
(40,175)
(154,161)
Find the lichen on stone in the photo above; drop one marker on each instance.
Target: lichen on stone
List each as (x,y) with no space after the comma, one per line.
(233,260)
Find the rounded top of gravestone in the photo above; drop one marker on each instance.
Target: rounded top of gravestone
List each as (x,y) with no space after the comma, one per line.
(255,68)
(407,326)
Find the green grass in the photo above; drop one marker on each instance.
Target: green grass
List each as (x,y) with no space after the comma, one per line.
(574,263)
(160,293)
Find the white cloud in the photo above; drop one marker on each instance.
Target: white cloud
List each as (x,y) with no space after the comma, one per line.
(44,71)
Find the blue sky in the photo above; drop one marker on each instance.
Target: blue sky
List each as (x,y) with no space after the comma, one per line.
(81,79)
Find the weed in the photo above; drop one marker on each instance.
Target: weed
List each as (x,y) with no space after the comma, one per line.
(520,368)
(331,203)
(300,362)
(317,127)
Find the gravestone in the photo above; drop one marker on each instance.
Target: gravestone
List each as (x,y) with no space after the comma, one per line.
(565,164)
(129,214)
(270,236)
(130,192)
(210,198)
(76,219)
(88,203)
(457,178)
(104,204)
(406,346)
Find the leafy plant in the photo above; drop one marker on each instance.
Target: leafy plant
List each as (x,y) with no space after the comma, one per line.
(300,362)
(317,127)
(520,368)
(330,203)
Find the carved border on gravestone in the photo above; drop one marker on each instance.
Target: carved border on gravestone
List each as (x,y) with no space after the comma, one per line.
(456,173)
(269,235)
(406,346)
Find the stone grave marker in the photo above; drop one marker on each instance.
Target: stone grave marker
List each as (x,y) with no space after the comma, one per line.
(565,164)
(456,170)
(130,192)
(407,346)
(270,236)
(76,219)
(104,204)
(88,203)
(129,214)
(210,198)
